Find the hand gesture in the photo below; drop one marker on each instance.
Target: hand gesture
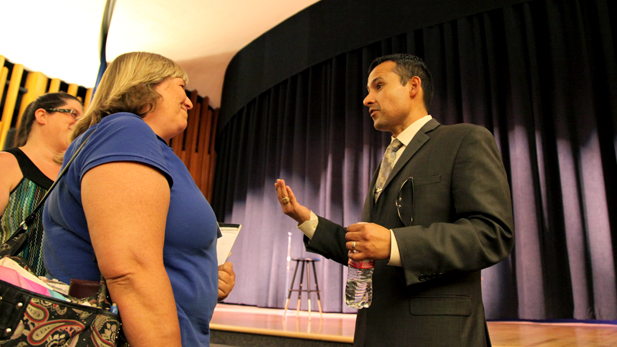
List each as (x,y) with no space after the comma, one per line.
(290,205)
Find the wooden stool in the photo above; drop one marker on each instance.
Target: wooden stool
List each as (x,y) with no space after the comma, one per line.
(308,289)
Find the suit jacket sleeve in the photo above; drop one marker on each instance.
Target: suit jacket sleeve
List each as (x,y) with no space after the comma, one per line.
(329,241)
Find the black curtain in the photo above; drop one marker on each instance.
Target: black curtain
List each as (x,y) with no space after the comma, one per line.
(540,75)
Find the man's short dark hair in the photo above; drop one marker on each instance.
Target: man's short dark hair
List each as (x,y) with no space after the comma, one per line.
(408,66)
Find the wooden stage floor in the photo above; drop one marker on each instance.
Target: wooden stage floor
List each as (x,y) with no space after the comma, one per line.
(338,327)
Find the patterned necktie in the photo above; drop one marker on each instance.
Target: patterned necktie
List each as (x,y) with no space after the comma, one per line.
(386,166)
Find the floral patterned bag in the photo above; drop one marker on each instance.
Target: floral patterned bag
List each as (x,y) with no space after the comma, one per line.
(32,319)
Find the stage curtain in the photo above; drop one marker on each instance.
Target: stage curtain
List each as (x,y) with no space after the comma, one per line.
(540,75)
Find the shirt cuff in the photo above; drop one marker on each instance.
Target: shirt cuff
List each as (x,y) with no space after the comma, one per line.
(395,255)
(309,227)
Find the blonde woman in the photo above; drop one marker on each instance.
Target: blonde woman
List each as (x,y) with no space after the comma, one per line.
(130,203)
(31,166)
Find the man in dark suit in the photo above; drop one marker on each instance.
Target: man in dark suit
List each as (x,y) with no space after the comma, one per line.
(443,214)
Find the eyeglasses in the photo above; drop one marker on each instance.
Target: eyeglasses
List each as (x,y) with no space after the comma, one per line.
(405,199)
(63,110)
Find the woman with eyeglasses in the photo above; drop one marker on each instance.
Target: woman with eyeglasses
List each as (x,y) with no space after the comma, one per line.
(32,164)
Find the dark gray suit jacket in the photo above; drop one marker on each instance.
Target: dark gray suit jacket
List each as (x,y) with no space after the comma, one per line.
(462,222)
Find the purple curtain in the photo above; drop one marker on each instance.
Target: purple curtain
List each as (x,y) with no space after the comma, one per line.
(540,75)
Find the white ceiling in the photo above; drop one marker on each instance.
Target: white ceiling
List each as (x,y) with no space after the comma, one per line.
(60,37)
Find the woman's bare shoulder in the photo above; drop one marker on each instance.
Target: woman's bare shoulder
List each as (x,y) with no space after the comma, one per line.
(10,169)
(9,178)
(7,158)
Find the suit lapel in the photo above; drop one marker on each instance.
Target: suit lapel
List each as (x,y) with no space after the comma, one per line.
(416,143)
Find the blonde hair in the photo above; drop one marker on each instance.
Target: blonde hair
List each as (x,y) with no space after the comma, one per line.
(128,86)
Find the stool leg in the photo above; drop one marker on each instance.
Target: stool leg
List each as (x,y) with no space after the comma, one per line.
(290,289)
(317,290)
(308,287)
(300,291)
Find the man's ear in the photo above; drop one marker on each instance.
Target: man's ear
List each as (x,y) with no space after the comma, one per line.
(415,85)
(40,116)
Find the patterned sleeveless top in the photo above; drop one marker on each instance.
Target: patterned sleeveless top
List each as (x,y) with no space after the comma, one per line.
(22,201)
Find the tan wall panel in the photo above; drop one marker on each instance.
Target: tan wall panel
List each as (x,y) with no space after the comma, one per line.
(204,146)
(4,73)
(194,164)
(72,89)
(10,100)
(54,86)
(36,83)
(89,92)
(212,153)
(191,131)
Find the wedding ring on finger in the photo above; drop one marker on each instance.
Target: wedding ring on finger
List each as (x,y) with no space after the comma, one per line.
(285,200)
(353,246)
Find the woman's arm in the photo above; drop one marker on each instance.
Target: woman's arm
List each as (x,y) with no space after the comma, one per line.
(126,207)
(9,179)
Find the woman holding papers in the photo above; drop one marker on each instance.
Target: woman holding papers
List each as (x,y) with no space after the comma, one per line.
(129,210)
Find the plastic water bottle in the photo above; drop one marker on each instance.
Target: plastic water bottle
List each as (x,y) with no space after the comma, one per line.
(359,289)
